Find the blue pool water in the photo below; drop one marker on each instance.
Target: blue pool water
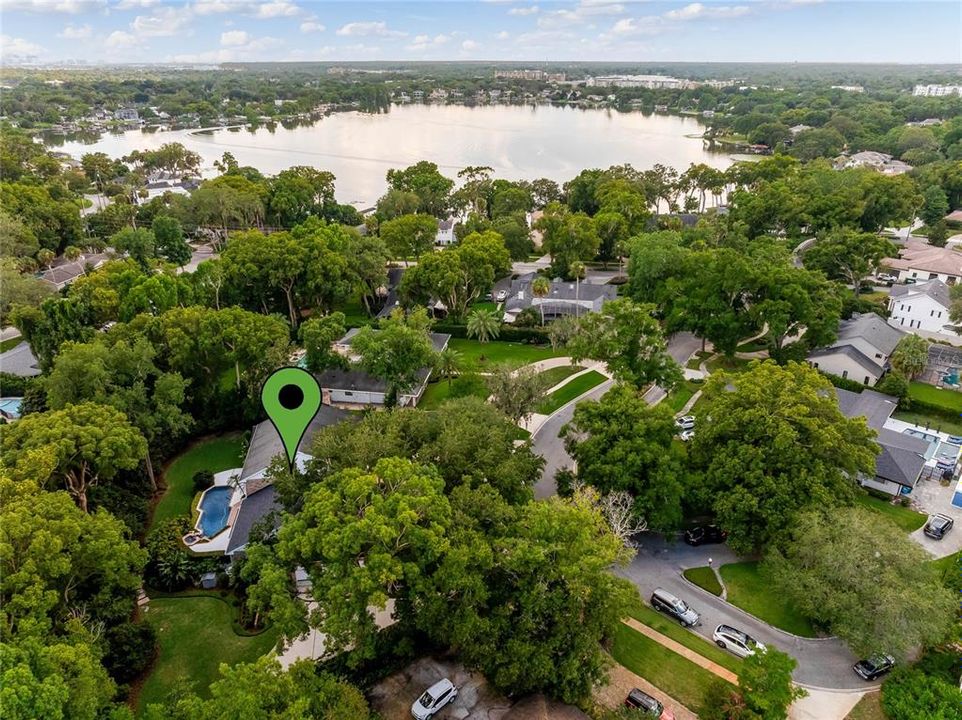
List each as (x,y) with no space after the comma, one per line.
(215,507)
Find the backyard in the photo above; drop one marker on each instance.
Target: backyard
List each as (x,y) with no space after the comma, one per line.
(906,518)
(214,454)
(481,355)
(945,399)
(195,634)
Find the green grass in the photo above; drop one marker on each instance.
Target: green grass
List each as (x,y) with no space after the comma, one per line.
(938,422)
(568,392)
(751,592)
(949,400)
(682,394)
(695,361)
(10,344)
(436,393)
(216,454)
(484,355)
(723,364)
(906,518)
(707,649)
(195,635)
(355,314)
(948,564)
(552,376)
(868,708)
(704,577)
(752,346)
(682,679)
(490,306)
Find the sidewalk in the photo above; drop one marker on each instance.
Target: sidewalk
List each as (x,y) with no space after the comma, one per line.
(685,652)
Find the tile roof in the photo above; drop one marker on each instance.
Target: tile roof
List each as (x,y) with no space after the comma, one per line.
(919,255)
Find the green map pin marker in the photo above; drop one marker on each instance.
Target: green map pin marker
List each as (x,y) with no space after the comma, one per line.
(291,397)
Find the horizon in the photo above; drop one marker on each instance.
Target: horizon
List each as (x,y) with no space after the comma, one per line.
(215,32)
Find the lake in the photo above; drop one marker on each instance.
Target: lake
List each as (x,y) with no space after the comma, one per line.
(519,142)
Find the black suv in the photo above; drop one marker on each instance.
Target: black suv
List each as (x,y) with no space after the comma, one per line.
(938,526)
(874,667)
(705,535)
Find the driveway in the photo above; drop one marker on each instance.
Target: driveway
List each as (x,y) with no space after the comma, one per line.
(932,497)
(822,663)
(547,444)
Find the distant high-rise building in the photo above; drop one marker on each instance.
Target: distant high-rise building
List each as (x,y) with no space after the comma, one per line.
(937,90)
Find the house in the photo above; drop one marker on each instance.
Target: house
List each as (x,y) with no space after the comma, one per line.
(127,114)
(861,351)
(903,453)
(445,234)
(882,162)
(922,307)
(159,183)
(245,496)
(563,298)
(920,261)
(62,272)
(353,388)
(796,129)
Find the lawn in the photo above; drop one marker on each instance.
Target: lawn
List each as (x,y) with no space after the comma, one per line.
(215,454)
(682,679)
(695,361)
(868,708)
(195,635)
(724,364)
(906,518)
(490,306)
(552,376)
(682,394)
(484,355)
(437,392)
(10,344)
(930,421)
(751,592)
(355,314)
(949,400)
(950,563)
(568,392)
(704,577)
(752,346)
(656,621)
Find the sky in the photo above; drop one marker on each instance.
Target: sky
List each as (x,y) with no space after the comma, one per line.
(214,31)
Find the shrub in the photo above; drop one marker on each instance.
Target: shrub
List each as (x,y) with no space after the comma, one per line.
(130,649)
(910,694)
(896,385)
(203,479)
(170,567)
(844,383)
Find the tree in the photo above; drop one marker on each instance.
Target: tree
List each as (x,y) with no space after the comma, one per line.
(863,579)
(577,271)
(620,443)
(935,205)
(484,324)
(773,442)
(516,393)
(395,203)
(138,244)
(911,694)
(765,690)
(16,239)
(424,180)
(409,235)
(567,237)
(540,287)
(263,690)
(848,255)
(448,364)
(910,356)
(19,289)
(397,352)
(79,445)
(626,337)
(939,234)
(300,192)
(169,240)
(816,143)
(317,335)
(367,264)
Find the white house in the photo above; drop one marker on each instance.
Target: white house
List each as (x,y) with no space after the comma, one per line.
(445,234)
(862,350)
(923,307)
(918,260)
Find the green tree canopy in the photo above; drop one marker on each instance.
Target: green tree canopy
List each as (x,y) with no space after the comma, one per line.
(397,352)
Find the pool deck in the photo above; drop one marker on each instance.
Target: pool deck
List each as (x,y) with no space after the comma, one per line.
(218,543)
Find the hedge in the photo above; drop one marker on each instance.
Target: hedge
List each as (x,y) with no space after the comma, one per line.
(844,383)
(535,335)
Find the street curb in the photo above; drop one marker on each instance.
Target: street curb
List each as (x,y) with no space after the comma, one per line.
(866,689)
(574,400)
(754,617)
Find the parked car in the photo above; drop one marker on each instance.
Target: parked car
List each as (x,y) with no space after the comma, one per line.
(686,435)
(664,601)
(687,422)
(740,643)
(938,526)
(433,699)
(910,281)
(874,667)
(502,295)
(705,535)
(640,700)
(886,278)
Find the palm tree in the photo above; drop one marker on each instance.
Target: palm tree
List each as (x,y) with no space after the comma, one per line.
(45,257)
(71,252)
(484,325)
(578,270)
(540,288)
(448,363)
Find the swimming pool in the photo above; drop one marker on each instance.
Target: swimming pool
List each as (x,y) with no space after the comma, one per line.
(214,509)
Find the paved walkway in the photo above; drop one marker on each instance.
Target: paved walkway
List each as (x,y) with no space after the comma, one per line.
(687,653)
(534,423)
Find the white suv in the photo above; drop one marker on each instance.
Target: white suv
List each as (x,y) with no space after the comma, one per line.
(433,699)
(742,644)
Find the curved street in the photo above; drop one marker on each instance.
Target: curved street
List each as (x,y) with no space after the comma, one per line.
(822,663)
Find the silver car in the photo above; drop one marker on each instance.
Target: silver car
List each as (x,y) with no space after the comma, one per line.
(741,644)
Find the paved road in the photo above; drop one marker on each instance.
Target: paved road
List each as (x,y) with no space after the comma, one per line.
(822,663)
(19,361)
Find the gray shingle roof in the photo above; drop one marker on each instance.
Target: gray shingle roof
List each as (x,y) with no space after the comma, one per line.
(935,289)
(875,407)
(852,353)
(902,457)
(254,509)
(560,292)
(873,329)
(266,444)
